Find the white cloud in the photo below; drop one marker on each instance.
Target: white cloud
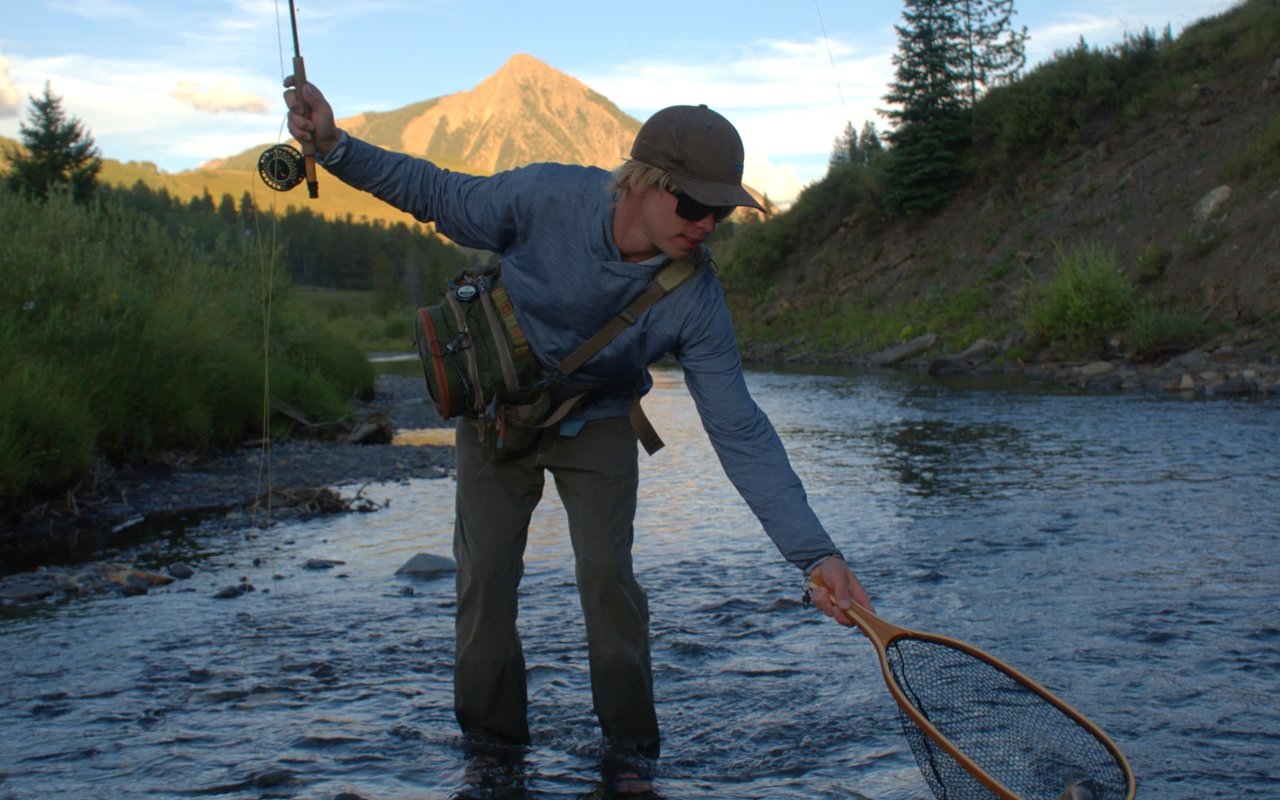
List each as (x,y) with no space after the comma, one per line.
(222,95)
(778,181)
(10,97)
(786,98)
(130,109)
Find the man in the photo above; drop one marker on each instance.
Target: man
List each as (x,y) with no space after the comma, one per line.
(577,245)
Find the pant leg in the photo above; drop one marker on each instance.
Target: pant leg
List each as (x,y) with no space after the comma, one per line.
(597,475)
(494,503)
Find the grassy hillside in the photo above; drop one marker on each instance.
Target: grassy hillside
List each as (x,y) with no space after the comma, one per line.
(1160,158)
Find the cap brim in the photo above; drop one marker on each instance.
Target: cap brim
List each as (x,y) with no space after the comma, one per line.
(711,193)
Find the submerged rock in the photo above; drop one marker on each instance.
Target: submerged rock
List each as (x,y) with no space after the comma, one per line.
(424,565)
(322,563)
(235,590)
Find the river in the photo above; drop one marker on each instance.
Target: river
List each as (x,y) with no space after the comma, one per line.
(1120,549)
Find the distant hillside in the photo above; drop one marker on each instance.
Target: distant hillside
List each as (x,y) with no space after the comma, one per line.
(524,113)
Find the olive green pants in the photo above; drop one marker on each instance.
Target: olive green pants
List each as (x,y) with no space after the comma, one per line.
(596,474)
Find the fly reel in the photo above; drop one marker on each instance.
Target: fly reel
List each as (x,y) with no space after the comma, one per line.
(281,167)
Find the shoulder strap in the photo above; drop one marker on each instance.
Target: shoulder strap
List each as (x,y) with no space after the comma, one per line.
(666,281)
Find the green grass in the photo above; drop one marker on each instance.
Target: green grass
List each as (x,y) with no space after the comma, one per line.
(1156,333)
(1259,164)
(1087,300)
(121,341)
(355,315)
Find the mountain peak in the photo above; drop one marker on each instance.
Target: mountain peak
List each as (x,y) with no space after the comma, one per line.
(525,64)
(525,112)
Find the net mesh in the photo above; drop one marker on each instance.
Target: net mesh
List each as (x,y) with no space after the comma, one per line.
(1009,730)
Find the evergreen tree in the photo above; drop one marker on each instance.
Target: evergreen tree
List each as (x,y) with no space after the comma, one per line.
(992,51)
(868,147)
(924,165)
(843,148)
(203,204)
(59,153)
(227,209)
(853,148)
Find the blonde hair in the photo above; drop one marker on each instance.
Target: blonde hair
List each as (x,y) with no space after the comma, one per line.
(635,175)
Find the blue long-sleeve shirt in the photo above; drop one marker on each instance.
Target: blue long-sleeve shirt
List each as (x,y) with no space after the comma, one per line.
(552,225)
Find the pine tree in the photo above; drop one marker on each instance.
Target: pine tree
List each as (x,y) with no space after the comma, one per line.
(924,165)
(227,209)
(843,148)
(59,153)
(992,51)
(869,147)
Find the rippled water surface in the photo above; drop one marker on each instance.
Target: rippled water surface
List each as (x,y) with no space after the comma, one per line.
(1122,550)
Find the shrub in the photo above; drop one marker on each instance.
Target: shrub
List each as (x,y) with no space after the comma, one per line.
(1086,301)
(1154,334)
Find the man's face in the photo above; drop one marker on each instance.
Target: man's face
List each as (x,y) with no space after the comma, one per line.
(671,233)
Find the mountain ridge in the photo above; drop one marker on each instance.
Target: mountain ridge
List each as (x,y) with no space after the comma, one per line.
(525,112)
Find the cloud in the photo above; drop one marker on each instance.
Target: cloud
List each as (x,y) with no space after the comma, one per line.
(788,99)
(779,181)
(222,95)
(134,113)
(10,97)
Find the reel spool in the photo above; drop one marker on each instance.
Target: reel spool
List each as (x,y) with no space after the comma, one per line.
(281,167)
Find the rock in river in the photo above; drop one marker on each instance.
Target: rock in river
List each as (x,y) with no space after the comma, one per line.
(425,565)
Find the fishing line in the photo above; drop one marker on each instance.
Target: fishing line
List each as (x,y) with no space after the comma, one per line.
(281,167)
(266,280)
(835,74)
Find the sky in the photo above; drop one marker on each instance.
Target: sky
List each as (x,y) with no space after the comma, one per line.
(179,84)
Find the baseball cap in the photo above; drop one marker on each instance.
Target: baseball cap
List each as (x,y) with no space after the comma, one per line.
(700,149)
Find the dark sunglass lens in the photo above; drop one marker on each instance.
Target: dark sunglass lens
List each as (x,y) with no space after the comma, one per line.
(689,209)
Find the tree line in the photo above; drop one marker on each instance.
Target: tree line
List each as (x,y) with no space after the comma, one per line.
(400,264)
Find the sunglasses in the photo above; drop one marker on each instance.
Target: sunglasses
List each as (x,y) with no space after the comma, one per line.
(689,209)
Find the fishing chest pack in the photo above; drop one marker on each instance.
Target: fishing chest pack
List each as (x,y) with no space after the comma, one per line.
(478,363)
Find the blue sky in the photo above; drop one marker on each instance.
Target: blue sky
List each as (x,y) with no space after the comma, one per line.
(179,84)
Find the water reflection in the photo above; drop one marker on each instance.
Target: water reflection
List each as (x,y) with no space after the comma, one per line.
(935,456)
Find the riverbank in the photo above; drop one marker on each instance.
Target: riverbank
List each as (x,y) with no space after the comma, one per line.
(1243,363)
(81,544)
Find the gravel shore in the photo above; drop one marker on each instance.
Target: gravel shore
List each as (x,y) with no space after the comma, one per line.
(304,477)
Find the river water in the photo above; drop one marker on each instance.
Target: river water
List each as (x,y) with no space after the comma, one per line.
(1120,549)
